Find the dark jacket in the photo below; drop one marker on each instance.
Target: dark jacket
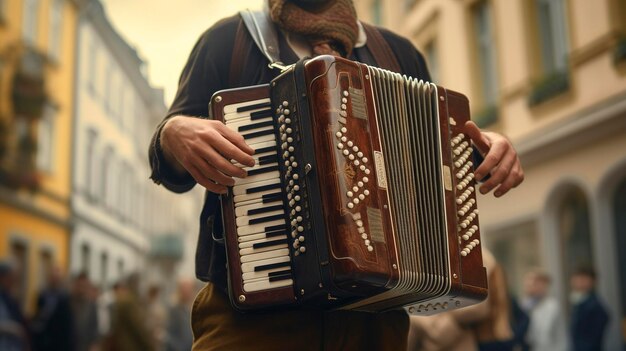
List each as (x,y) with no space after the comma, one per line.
(589,321)
(205,73)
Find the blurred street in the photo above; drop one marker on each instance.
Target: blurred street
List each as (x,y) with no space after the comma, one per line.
(93,254)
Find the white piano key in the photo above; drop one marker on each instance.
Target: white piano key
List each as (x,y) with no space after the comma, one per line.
(234,125)
(250,266)
(258,228)
(250,250)
(245,220)
(257,203)
(241,189)
(273,175)
(249,276)
(265,285)
(265,255)
(245,199)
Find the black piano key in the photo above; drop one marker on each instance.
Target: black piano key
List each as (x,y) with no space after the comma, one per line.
(254,107)
(261,188)
(283,276)
(266,219)
(274,227)
(267,267)
(264,209)
(269,243)
(258,134)
(262,170)
(265,149)
(276,233)
(254,126)
(260,114)
(267,159)
(267,198)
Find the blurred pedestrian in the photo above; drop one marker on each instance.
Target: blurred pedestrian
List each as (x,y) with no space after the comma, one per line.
(85,313)
(589,316)
(548,329)
(128,319)
(179,335)
(13,327)
(53,325)
(485,326)
(156,317)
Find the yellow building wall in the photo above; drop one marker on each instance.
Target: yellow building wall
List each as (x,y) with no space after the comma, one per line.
(52,199)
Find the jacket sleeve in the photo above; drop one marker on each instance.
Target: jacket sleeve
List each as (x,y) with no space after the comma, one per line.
(202,76)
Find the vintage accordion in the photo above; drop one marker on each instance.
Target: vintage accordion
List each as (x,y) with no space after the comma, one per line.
(362,196)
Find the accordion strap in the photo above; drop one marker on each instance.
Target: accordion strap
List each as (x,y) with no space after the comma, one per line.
(380,49)
(263,32)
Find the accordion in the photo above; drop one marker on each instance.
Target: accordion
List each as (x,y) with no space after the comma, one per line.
(362,195)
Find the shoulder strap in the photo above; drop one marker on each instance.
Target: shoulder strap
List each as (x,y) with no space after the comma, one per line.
(380,49)
(238,57)
(263,32)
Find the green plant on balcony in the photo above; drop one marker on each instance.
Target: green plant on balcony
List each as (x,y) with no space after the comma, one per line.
(619,53)
(550,86)
(486,117)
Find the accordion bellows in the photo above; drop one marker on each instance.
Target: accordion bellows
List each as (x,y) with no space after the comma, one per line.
(362,196)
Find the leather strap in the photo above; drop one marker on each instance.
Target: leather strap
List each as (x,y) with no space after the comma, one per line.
(380,49)
(263,32)
(238,56)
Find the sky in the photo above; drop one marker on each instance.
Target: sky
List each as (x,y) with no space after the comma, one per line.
(164,31)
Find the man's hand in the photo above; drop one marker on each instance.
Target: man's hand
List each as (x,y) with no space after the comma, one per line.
(501,161)
(204,148)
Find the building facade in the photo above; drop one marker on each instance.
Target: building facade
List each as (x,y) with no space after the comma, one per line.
(551,75)
(37,54)
(122,222)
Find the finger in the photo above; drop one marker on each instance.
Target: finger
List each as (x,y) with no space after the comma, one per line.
(500,173)
(220,163)
(232,152)
(473,132)
(237,139)
(208,171)
(205,182)
(491,160)
(516,176)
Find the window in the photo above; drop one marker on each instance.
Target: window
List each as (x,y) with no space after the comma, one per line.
(107,88)
(377,12)
(54,39)
(85,258)
(3,11)
(517,249)
(45,135)
(19,256)
(104,269)
(92,63)
(619,213)
(46,261)
(91,139)
(120,268)
(104,174)
(552,35)
(432,59)
(575,232)
(29,20)
(486,54)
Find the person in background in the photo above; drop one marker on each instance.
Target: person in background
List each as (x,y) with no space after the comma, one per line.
(13,327)
(589,316)
(85,313)
(547,330)
(53,324)
(128,319)
(484,326)
(179,336)
(156,314)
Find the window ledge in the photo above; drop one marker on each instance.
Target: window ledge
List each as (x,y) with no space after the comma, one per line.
(550,86)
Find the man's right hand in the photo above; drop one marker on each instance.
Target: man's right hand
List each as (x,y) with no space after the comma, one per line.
(204,148)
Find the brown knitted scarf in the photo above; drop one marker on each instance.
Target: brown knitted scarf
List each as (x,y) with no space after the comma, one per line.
(329,28)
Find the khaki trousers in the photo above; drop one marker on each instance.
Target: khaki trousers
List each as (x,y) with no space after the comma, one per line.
(217,326)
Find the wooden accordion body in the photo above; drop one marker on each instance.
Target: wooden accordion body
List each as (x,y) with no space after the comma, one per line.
(362,196)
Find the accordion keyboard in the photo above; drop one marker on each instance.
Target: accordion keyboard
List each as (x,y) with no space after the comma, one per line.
(261,227)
